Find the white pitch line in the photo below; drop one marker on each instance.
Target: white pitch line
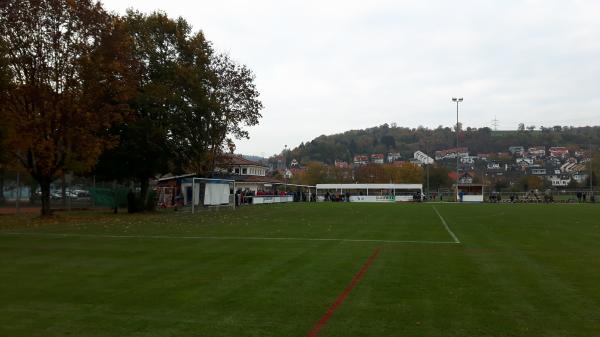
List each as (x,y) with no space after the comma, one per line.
(108,236)
(446,226)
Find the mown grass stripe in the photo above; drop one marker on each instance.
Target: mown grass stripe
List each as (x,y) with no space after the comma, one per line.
(112,236)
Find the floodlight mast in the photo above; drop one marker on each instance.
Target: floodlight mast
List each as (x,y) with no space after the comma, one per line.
(591,174)
(457,100)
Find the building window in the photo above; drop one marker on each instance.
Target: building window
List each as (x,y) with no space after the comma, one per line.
(237,170)
(244,171)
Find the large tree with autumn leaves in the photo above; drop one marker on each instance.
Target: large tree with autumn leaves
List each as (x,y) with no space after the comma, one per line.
(68,67)
(191,103)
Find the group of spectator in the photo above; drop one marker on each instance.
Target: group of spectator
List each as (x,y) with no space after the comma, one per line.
(495,197)
(245,196)
(417,197)
(581,197)
(530,196)
(337,197)
(534,196)
(261,193)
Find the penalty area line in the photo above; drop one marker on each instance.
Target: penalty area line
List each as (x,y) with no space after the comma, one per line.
(172,237)
(456,240)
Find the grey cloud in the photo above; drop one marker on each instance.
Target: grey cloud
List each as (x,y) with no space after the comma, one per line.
(329,66)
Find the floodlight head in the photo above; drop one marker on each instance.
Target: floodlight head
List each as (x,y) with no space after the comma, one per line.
(453,99)
(460,99)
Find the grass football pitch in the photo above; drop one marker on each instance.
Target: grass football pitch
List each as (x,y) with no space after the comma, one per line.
(305,269)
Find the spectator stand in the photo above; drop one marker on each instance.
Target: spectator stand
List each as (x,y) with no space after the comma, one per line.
(277,193)
(370,192)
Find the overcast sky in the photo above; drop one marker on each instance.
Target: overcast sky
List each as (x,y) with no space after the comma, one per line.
(328,66)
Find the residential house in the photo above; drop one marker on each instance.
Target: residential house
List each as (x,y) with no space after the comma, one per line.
(361,160)
(468,159)
(560,180)
(516,150)
(572,166)
(537,151)
(423,158)
(558,152)
(493,166)
(377,158)
(240,166)
(393,156)
(466,178)
(451,153)
(538,171)
(524,161)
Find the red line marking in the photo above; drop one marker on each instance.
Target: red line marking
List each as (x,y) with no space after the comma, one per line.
(338,302)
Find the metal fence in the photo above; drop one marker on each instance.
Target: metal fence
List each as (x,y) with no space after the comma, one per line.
(554,196)
(20,193)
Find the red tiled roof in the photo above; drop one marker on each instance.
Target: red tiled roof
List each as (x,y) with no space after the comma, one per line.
(233,160)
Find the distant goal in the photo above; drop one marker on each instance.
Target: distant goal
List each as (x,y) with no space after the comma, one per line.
(208,193)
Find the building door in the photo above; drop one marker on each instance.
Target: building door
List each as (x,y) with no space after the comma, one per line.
(188,195)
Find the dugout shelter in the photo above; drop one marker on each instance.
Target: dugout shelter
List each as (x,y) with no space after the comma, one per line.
(469,193)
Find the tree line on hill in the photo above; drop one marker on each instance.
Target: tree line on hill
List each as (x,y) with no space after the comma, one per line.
(386,138)
(319,173)
(125,97)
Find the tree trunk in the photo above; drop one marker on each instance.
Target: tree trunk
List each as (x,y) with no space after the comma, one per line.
(33,193)
(144,185)
(45,188)
(2,199)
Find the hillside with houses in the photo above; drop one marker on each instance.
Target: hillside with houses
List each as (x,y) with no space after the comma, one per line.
(556,157)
